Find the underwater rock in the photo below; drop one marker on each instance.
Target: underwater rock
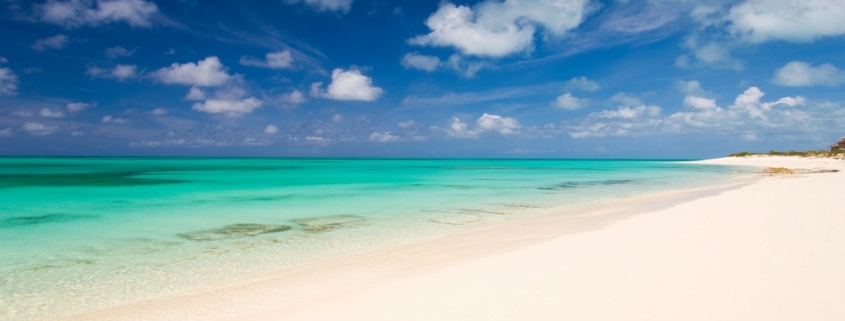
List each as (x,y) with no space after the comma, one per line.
(568,185)
(232,231)
(456,219)
(326,223)
(485,211)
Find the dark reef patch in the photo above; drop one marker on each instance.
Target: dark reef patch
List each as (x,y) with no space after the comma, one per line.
(327,223)
(41,219)
(232,231)
(576,184)
(81,180)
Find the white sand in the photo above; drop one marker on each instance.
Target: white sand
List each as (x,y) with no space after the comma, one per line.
(771,250)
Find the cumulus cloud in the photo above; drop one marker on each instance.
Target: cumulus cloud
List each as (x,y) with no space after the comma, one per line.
(228,107)
(626,112)
(747,112)
(159,111)
(623,121)
(569,102)
(113,120)
(348,85)
(384,137)
(54,42)
(6,132)
(38,129)
(407,124)
(626,99)
(503,125)
(50,113)
(582,83)
(498,29)
(8,82)
(76,13)
(271,129)
(486,123)
(326,5)
(208,72)
(272,60)
(751,22)
(118,51)
(77,107)
(690,87)
(758,21)
(119,72)
(699,102)
(195,94)
(802,74)
(413,60)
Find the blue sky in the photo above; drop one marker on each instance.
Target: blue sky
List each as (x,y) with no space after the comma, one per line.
(515,78)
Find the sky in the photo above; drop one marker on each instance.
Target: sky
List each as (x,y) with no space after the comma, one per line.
(414,78)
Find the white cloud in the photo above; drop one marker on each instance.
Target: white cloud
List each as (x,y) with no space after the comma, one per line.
(159,111)
(294,97)
(118,51)
(195,94)
(384,137)
(690,87)
(119,72)
(50,113)
(582,83)
(38,129)
(758,21)
(710,52)
(208,72)
(6,132)
(413,60)
(626,112)
(503,125)
(463,66)
(8,82)
(77,107)
(159,143)
(337,118)
(569,102)
(271,129)
(272,60)
(497,29)
(75,13)
(624,121)
(348,85)
(317,139)
(486,123)
(228,107)
(3,60)
(626,99)
(54,42)
(700,102)
(109,119)
(407,124)
(802,74)
(326,5)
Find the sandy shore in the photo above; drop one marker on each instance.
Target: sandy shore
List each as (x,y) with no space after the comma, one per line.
(770,250)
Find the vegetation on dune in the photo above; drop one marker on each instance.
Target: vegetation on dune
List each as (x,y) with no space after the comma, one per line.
(838,153)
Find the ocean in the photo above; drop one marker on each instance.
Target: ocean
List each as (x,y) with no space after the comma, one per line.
(88,233)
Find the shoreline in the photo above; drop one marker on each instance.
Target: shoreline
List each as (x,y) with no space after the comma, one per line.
(389,278)
(309,282)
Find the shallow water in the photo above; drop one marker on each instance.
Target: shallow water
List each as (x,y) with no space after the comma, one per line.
(84,233)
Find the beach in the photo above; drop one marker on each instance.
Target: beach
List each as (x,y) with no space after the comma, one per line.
(769,248)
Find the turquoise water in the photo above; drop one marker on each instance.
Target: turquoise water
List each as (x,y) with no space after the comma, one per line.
(86,233)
